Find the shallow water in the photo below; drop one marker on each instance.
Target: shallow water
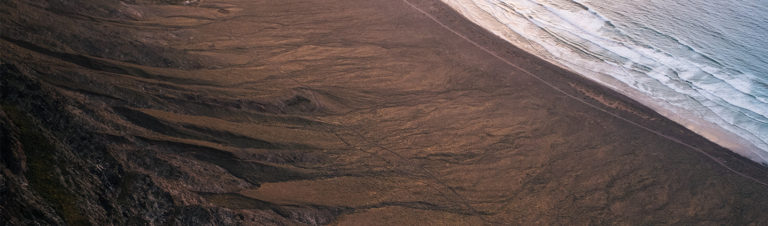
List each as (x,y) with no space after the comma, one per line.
(700,63)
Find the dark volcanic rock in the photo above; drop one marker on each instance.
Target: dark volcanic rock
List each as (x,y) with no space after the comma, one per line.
(346,112)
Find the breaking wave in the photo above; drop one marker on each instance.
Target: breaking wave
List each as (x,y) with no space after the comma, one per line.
(718,99)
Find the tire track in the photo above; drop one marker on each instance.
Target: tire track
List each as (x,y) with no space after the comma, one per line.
(670,138)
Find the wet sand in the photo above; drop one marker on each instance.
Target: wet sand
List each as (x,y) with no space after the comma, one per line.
(355,112)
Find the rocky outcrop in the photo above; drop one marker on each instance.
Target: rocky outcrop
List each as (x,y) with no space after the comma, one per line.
(325,112)
(58,169)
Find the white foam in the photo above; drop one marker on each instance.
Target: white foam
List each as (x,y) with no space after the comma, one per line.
(726,108)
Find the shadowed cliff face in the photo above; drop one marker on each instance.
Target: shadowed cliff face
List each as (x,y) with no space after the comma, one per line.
(324,112)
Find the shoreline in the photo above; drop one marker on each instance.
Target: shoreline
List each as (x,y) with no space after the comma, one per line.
(596,107)
(707,129)
(334,112)
(734,146)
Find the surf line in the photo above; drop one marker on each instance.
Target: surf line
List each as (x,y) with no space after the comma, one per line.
(718,161)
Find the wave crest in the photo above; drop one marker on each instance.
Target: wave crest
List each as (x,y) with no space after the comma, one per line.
(682,82)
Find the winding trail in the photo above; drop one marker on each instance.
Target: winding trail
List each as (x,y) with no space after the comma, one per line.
(673,139)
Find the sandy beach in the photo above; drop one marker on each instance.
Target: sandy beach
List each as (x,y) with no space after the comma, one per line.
(342,112)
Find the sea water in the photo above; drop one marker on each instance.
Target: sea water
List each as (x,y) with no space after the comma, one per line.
(701,63)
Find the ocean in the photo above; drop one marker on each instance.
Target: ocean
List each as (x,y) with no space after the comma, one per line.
(703,64)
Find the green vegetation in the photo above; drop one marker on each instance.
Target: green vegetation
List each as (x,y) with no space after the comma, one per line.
(42,165)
